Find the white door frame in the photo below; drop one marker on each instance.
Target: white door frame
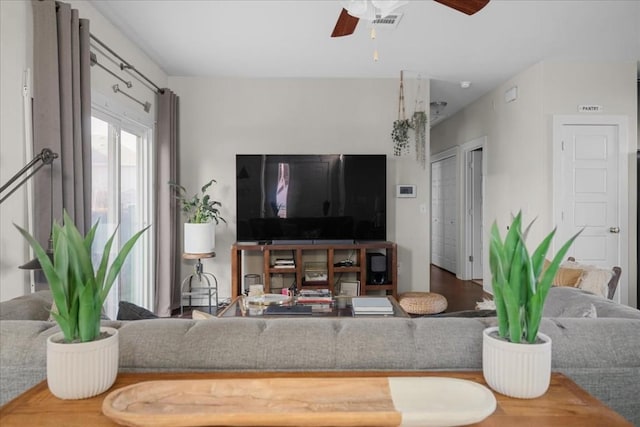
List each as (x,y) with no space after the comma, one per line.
(465,266)
(621,122)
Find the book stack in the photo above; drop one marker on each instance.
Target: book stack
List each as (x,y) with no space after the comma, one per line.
(284,263)
(319,299)
(372,306)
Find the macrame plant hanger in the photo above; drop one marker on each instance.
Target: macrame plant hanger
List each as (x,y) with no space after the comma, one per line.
(400,133)
(419,122)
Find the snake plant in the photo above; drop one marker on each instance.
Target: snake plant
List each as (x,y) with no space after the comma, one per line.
(78,290)
(521,281)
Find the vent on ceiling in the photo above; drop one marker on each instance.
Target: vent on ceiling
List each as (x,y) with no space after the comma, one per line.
(387,22)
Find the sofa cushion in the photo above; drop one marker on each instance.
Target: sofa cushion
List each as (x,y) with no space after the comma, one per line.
(33,306)
(574,302)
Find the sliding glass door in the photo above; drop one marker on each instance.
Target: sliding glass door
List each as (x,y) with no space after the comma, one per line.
(122,199)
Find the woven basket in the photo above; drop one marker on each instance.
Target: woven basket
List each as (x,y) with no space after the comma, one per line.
(422,302)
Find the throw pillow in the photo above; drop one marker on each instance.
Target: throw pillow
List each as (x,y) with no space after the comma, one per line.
(201,315)
(567,277)
(129,311)
(568,274)
(596,281)
(33,306)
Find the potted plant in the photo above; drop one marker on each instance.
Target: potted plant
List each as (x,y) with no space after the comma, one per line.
(516,358)
(82,359)
(201,212)
(400,131)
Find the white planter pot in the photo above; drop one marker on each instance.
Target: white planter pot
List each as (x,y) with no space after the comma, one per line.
(199,238)
(82,370)
(516,370)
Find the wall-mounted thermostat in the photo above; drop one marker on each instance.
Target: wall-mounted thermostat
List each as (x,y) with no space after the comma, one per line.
(405,190)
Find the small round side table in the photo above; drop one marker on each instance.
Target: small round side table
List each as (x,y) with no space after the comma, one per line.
(206,283)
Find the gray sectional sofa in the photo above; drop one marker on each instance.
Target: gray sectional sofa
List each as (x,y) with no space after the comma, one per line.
(600,354)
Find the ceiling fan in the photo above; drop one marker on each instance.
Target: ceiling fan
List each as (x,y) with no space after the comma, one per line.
(347,22)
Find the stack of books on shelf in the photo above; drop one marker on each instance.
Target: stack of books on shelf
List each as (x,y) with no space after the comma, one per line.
(371,306)
(284,263)
(320,300)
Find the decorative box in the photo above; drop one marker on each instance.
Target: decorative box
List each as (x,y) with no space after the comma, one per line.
(315,272)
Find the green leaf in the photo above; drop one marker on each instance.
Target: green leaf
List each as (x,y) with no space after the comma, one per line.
(104,261)
(71,277)
(520,284)
(497,261)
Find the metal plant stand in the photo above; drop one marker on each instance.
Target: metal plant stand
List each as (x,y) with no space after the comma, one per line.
(199,283)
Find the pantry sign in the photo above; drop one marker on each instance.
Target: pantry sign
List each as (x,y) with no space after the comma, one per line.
(590,108)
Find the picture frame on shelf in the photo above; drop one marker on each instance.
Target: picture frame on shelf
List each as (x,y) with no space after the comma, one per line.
(350,289)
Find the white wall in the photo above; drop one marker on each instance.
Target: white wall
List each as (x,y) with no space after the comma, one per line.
(518,154)
(16,56)
(16,39)
(221,117)
(613,86)
(102,82)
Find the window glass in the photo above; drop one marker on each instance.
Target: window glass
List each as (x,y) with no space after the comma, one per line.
(121,199)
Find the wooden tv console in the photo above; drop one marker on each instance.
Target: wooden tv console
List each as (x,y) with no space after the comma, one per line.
(332,255)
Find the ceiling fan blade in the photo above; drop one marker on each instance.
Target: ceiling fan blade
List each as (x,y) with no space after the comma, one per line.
(465,6)
(346,24)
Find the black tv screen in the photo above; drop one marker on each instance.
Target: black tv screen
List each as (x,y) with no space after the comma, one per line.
(286,197)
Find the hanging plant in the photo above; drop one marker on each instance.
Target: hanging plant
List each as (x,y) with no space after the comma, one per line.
(419,123)
(400,132)
(400,137)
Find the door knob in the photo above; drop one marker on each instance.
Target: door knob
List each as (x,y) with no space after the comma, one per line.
(614,229)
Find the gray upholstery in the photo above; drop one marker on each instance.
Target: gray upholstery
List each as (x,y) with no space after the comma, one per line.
(566,301)
(34,306)
(602,355)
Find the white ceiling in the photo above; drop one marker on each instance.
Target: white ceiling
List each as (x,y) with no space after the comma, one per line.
(291,38)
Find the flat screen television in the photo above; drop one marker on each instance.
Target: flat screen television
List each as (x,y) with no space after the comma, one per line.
(285,198)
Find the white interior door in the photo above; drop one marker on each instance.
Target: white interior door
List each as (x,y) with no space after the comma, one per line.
(449,198)
(589,196)
(443,214)
(437,215)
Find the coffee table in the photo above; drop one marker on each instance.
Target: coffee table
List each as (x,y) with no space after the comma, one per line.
(235,309)
(564,405)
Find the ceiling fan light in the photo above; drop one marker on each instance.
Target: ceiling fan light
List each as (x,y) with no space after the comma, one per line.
(362,9)
(371,9)
(386,7)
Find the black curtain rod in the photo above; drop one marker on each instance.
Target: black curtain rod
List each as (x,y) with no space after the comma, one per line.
(124,65)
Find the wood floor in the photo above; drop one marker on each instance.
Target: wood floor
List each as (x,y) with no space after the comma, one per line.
(460,294)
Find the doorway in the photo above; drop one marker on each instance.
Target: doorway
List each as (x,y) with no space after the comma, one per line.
(473,210)
(444,192)
(590,177)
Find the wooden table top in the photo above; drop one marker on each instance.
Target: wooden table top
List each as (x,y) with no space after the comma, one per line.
(565,404)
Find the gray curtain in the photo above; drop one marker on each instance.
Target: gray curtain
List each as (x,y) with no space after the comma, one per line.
(167,291)
(61,114)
